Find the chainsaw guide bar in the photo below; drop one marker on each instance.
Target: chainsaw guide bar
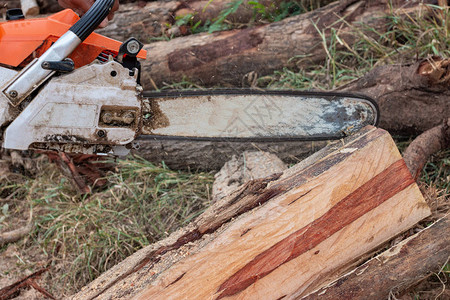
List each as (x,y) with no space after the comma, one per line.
(255,115)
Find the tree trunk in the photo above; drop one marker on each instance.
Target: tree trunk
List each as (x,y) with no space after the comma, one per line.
(49,6)
(144,23)
(412,98)
(225,58)
(207,10)
(426,144)
(182,155)
(9,4)
(281,236)
(147,21)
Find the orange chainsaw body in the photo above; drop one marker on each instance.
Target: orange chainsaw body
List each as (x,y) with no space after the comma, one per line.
(23,40)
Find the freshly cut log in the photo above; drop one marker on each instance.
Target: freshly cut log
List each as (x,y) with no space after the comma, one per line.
(285,235)
(394,270)
(29,8)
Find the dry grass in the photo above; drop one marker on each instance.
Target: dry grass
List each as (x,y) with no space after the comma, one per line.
(408,39)
(84,235)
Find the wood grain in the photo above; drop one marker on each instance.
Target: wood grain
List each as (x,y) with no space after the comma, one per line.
(370,195)
(287,235)
(411,261)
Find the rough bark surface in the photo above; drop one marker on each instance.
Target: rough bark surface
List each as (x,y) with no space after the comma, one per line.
(272,229)
(395,269)
(207,10)
(181,155)
(142,22)
(149,20)
(412,98)
(429,142)
(227,57)
(45,6)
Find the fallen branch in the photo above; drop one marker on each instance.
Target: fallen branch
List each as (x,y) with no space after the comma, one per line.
(412,98)
(10,290)
(426,144)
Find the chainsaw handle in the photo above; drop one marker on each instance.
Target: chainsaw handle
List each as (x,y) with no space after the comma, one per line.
(93,17)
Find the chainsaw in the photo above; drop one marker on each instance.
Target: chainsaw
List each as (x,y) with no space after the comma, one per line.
(65,88)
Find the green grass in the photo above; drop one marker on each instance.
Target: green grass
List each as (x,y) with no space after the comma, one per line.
(263,12)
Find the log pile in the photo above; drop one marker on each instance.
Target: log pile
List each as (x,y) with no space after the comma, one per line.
(282,236)
(407,94)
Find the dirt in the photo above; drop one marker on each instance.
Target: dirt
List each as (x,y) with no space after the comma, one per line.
(20,260)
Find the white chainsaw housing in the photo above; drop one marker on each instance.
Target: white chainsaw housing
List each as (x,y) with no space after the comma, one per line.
(94,109)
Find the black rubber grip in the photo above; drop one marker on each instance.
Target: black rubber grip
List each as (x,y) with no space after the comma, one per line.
(93,17)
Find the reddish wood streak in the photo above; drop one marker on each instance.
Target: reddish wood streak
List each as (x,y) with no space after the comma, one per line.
(380,188)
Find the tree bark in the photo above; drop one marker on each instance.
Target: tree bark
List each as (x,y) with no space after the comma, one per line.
(144,23)
(207,10)
(227,57)
(9,4)
(200,155)
(394,270)
(281,236)
(45,6)
(49,6)
(149,20)
(411,98)
(426,144)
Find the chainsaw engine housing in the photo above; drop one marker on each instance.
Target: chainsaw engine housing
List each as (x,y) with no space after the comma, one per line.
(95,109)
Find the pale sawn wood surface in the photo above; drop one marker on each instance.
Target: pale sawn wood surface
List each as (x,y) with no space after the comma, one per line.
(284,236)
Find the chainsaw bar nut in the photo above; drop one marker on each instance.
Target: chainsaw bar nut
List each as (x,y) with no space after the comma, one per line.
(133,47)
(13,94)
(101,133)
